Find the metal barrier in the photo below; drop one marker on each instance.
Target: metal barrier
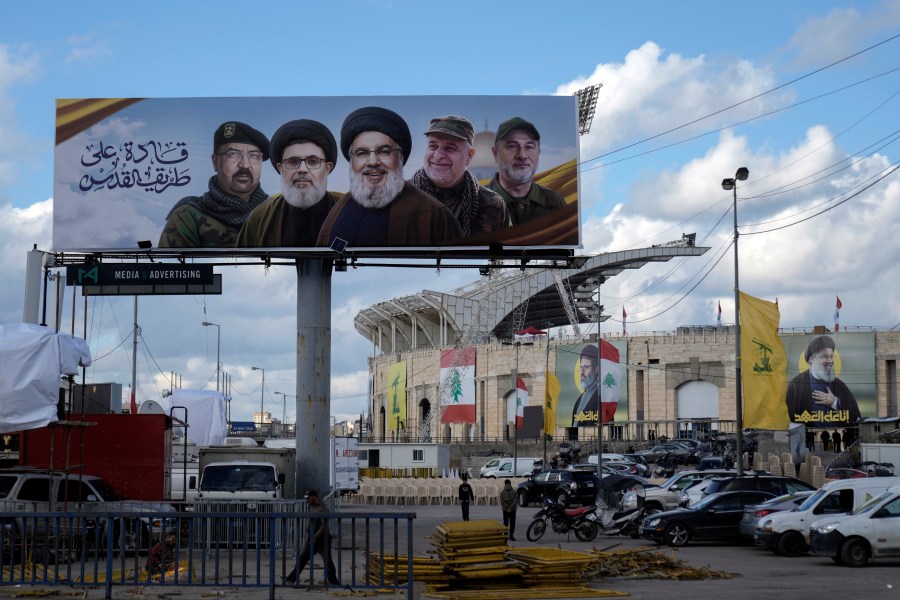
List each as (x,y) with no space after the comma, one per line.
(116,549)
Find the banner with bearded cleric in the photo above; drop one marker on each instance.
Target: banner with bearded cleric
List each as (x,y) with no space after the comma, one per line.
(586,377)
(469,175)
(831,378)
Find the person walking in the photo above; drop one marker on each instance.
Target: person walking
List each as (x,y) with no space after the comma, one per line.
(466,495)
(320,543)
(836,440)
(508,505)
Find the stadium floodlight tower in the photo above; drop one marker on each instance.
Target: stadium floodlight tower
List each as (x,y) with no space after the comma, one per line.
(587,105)
(730,184)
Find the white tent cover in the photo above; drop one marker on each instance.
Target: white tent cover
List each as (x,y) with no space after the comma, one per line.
(32,360)
(205,414)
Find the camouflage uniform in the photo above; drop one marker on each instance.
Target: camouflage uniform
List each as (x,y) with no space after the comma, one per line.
(490,214)
(538,201)
(212,220)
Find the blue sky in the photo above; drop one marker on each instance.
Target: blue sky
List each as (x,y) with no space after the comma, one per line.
(663,65)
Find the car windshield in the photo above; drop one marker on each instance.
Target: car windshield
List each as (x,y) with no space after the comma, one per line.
(6,485)
(872,503)
(812,500)
(106,491)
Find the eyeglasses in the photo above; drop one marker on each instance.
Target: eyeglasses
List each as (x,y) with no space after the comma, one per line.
(234,156)
(313,163)
(382,153)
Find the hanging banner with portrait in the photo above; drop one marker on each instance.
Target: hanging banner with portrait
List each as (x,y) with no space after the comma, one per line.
(592,382)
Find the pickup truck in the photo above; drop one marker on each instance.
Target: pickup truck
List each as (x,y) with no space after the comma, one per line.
(25,490)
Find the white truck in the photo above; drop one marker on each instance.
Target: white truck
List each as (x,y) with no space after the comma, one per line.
(230,473)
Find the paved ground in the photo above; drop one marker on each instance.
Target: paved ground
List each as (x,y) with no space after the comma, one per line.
(760,573)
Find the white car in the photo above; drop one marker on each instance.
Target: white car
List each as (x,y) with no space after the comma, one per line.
(870,531)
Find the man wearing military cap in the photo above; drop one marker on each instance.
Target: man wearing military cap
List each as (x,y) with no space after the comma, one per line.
(214,219)
(448,152)
(817,396)
(304,153)
(381,209)
(517,148)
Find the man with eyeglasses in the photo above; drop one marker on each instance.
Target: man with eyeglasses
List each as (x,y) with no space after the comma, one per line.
(381,208)
(304,152)
(817,396)
(517,148)
(445,176)
(214,219)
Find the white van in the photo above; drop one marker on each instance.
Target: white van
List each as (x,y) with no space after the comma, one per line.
(489,466)
(870,531)
(787,533)
(504,468)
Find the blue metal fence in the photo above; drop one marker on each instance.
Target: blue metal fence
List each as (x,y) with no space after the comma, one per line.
(236,548)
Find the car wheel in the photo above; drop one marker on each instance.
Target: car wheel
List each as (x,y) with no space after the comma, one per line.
(676,535)
(791,543)
(536,530)
(855,553)
(562,498)
(587,531)
(523,498)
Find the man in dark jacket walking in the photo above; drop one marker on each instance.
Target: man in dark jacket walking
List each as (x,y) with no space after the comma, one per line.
(508,505)
(466,495)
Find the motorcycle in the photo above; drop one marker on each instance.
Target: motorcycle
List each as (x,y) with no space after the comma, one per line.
(665,466)
(563,520)
(620,506)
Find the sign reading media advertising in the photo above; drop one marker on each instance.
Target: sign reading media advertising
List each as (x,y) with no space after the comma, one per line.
(121,165)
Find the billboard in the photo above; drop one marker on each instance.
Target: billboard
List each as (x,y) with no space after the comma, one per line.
(586,376)
(831,378)
(366,174)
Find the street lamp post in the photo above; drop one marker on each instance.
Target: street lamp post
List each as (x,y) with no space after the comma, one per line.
(731,184)
(284,398)
(262,395)
(218,349)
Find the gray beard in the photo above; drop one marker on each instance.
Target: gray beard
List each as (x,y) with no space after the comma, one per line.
(302,197)
(821,374)
(370,196)
(586,383)
(517,175)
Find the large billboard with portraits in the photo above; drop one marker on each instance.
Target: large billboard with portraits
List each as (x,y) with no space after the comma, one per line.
(202,176)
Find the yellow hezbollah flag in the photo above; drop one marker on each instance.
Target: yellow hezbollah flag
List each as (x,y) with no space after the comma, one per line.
(551,403)
(396,396)
(763,365)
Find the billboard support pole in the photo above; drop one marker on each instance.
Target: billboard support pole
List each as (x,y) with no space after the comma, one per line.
(313,407)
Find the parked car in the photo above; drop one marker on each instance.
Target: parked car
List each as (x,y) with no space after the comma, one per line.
(562,485)
(870,531)
(755,512)
(658,451)
(716,517)
(844,473)
(490,465)
(774,484)
(788,533)
(504,468)
(25,490)
(667,495)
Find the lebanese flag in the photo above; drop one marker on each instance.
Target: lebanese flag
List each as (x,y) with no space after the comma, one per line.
(521,401)
(837,314)
(610,375)
(458,385)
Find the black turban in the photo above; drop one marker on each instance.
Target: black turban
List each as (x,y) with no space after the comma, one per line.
(817,345)
(375,118)
(303,130)
(592,353)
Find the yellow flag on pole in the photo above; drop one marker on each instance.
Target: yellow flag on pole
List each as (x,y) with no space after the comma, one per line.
(396,396)
(763,365)
(550,403)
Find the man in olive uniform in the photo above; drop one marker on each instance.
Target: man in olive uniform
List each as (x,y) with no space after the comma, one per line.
(517,148)
(509,505)
(214,219)
(304,153)
(448,152)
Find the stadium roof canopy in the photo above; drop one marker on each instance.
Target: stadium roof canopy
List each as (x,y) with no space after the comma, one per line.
(502,301)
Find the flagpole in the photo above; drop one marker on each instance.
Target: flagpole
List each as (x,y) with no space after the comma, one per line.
(546,394)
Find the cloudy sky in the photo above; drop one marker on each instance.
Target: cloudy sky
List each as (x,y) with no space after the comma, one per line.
(802,93)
